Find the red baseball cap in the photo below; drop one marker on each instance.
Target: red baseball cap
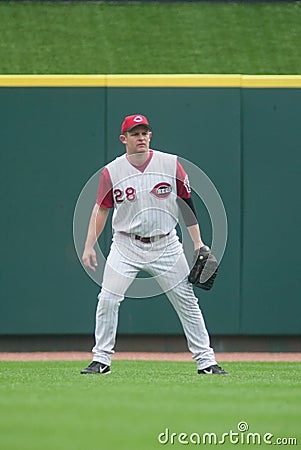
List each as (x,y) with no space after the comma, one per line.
(133,121)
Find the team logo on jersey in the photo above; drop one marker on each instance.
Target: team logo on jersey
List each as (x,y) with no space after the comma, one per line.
(186,184)
(161,190)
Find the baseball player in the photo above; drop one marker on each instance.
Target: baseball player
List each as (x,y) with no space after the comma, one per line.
(146,188)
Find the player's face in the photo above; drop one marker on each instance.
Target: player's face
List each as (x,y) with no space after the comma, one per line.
(137,140)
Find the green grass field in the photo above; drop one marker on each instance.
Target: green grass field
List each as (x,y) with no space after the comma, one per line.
(80,38)
(50,406)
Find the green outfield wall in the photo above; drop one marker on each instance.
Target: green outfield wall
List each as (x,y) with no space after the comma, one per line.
(242,131)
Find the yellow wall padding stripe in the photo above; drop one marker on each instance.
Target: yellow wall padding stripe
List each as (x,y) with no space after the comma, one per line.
(174,80)
(181,80)
(271,81)
(53,80)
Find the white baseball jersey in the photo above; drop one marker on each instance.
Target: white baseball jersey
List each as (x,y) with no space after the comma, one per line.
(145,202)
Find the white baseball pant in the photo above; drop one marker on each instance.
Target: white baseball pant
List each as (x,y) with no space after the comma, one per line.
(165,260)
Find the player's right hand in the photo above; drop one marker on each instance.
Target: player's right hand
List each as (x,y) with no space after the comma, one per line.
(89,258)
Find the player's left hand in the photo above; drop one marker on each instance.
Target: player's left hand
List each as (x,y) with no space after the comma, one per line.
(204,270)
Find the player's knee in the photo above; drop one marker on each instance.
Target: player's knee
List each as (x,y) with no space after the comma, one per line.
(106,297)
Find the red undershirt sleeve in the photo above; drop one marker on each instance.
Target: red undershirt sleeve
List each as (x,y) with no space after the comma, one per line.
(105,190)
(183,188)
(184,200)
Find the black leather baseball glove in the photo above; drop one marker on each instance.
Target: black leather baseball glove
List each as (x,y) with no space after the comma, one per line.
(204,270)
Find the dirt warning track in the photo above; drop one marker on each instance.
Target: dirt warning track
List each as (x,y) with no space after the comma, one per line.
(150,356)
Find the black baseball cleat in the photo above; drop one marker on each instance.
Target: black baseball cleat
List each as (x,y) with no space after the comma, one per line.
(97,367)
(213,370)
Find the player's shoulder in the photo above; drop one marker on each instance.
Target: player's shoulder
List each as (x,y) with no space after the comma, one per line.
(164,155)
(115,162)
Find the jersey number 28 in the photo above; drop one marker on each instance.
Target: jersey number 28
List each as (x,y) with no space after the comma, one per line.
(129,194)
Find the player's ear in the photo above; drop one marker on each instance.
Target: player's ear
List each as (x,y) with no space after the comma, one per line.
(122,138)
(150,134)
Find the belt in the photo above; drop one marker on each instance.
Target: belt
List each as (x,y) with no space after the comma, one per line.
(146,240)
